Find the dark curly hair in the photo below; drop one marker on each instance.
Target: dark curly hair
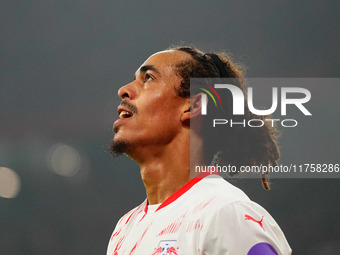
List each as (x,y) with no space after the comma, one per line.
(240,145)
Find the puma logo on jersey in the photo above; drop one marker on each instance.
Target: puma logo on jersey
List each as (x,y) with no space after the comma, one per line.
(248,217)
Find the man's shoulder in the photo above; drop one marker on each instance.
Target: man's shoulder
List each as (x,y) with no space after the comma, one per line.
(127,216)
(227,198)
(220,190)
(232,216)
(211,196)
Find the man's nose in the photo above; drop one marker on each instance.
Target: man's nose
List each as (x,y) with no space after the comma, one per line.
(127,91)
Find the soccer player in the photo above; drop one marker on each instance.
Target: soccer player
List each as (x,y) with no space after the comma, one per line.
(185,212)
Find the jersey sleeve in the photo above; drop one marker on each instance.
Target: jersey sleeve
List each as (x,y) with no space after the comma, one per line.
(243,228)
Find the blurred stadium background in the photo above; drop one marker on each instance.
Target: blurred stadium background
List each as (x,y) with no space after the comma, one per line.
(61,64)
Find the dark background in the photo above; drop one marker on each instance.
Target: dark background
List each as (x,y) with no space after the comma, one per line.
(61,64)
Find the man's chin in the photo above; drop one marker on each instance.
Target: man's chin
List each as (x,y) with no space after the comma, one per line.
(118,148)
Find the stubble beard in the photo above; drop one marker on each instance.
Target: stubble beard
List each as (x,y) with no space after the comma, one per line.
(118,147)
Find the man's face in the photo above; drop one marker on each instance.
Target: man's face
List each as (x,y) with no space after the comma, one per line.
(150,112)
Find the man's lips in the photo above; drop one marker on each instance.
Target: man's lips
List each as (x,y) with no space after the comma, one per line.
(119,121)
(125,110)
(123,114)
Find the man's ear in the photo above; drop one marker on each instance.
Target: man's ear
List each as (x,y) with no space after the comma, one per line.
(193,108)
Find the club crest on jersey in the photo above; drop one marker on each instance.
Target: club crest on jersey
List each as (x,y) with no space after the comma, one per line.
(167,247)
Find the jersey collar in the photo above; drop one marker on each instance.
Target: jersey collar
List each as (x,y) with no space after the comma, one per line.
(181,190)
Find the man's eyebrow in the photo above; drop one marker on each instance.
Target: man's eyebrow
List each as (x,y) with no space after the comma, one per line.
(146,68)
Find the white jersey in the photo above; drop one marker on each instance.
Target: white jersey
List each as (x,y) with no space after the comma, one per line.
(206,216)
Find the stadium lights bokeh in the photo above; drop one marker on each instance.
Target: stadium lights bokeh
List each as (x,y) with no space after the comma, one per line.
(64,160)
(10,183)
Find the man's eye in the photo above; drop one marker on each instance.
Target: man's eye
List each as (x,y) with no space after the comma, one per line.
(148,77)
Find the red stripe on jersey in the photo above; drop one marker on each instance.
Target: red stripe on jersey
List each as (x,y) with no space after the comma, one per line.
(119,244)
(129,218)
(131,213)
(184,189)
(146,205)
(142,217)
(133,249)
(116,233)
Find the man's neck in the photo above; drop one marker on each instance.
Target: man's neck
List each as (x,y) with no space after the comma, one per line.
(165,173)
(165,169)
